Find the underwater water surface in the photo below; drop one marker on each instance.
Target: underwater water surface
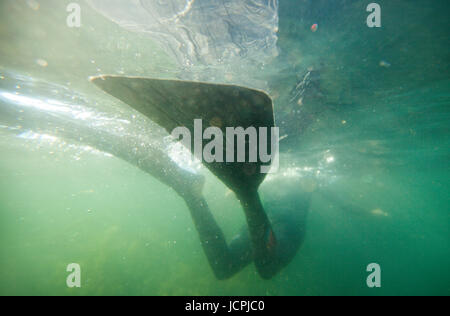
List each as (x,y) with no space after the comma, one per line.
(364,115)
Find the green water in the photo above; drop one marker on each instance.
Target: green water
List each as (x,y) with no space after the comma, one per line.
(386,128)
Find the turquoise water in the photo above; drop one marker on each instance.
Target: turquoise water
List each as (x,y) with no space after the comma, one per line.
(372,129)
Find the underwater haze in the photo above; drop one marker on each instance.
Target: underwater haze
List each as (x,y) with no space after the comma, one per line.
(364,114)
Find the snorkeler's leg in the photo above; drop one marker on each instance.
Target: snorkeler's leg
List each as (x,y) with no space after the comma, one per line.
(225,261)
(262,236)
(277,238)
